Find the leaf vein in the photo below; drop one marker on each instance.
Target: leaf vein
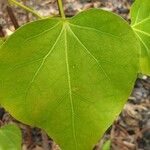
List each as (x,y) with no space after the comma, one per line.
(42,63)
(90,28)
(45,31)
(92,56)
(70,91)
(143,32)
(144,20)
(147,49)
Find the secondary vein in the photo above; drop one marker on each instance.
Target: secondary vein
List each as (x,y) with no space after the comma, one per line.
(106,75)
(143,32)
(41,33)
(42,63)
(90,28)
(147,49)
(144,20)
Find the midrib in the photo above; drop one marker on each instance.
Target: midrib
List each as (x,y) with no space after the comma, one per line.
(69,86)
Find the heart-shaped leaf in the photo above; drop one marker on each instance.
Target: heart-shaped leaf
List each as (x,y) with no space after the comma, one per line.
(69,76)
(140,15)
(10,138)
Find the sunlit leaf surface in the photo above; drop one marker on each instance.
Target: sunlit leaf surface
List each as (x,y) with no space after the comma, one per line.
(140,15)
(10,138)
(70,77)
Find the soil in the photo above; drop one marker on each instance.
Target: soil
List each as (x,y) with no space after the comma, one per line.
(131,130)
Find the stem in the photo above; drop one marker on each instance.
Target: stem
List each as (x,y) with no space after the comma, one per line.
(61,10)
(26,8)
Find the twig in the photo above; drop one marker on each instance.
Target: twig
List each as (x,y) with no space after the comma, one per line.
(2,34)
(12,17)
(26,8)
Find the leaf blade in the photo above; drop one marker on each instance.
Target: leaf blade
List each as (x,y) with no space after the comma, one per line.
(69,77)
(140,16)
(10,138)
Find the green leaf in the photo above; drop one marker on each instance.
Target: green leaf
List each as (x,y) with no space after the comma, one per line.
(70,77)
(140,16)
(10,138)
(106,145)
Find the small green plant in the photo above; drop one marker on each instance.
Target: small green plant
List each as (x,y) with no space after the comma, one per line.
(106,145)
(140,16)
(10,137)
(72,76)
